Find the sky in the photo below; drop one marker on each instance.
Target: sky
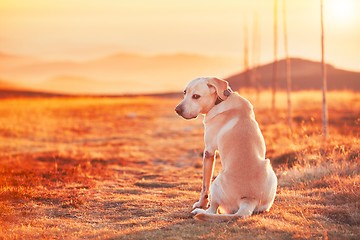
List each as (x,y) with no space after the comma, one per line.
(85,29)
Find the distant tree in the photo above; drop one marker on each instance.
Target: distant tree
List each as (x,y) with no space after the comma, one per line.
(288,67)
(323,72)
(274,77)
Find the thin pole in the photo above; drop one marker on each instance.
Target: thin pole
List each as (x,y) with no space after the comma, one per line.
(288,67)
(274,77)
(246,53)
(256,55)
(324,80)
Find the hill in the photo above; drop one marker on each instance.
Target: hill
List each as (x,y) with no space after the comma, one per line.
(10,90)
(126,72)
(5,93)
(9,61)
(73,85)
(6,85)
(306,75)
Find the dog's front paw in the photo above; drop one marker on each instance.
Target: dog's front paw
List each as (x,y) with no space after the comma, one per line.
(196,205)
(202,203)
(197,211)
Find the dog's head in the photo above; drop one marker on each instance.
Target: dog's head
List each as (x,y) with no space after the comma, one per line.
(200,96)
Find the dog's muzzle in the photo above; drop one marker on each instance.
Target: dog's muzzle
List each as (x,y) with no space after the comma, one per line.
(179,110)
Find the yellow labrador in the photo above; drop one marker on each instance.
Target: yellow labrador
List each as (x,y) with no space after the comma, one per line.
(247,183)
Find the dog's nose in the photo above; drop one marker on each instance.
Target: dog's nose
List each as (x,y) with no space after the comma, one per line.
(178,110)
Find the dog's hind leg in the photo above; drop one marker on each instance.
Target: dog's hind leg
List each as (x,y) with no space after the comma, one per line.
(247,207)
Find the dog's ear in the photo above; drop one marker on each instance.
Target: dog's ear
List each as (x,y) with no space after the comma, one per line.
(221,87)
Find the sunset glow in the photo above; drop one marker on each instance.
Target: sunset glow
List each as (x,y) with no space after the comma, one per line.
(89,30)
(343,11)
(85,29)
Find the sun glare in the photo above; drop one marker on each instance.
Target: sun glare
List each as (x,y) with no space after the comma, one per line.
(341,11)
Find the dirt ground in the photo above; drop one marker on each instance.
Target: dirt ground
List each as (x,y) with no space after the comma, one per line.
(130,168)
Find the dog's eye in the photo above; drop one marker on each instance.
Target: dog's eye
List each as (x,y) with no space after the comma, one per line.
(184,92)
(196,96)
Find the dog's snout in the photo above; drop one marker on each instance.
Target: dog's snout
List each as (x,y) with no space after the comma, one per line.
(179,110)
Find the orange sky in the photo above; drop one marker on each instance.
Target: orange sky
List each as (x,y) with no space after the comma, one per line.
(83,29)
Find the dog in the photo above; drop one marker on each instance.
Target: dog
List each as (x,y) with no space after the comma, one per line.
(247,182)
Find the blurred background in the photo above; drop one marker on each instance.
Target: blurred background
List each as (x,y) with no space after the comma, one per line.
(140,46)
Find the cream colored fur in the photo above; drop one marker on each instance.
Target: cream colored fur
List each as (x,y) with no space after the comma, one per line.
(247,182)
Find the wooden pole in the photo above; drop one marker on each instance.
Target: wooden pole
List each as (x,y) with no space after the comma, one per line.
(246,54)
(274,77)
(324,80)
(256,55)
(288,68)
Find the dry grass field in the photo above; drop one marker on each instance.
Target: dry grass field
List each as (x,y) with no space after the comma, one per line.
(130,168)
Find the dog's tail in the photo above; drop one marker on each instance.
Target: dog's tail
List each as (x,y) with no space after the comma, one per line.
(210,217)
(247,208)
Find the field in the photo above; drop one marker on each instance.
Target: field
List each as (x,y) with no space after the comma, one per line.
(130,168)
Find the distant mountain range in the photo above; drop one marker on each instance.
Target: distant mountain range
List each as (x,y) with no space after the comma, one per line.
(118,73)
(305,75)
(8,90)
(137,74)
(7,85)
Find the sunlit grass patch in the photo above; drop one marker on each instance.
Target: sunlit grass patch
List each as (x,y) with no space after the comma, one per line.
(129,168)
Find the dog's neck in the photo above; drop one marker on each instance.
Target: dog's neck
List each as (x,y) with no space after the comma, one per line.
(218,100)
(233,101)
(227,93)
(218,108)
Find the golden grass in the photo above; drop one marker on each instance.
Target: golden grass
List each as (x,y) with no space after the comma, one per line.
(129,168)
